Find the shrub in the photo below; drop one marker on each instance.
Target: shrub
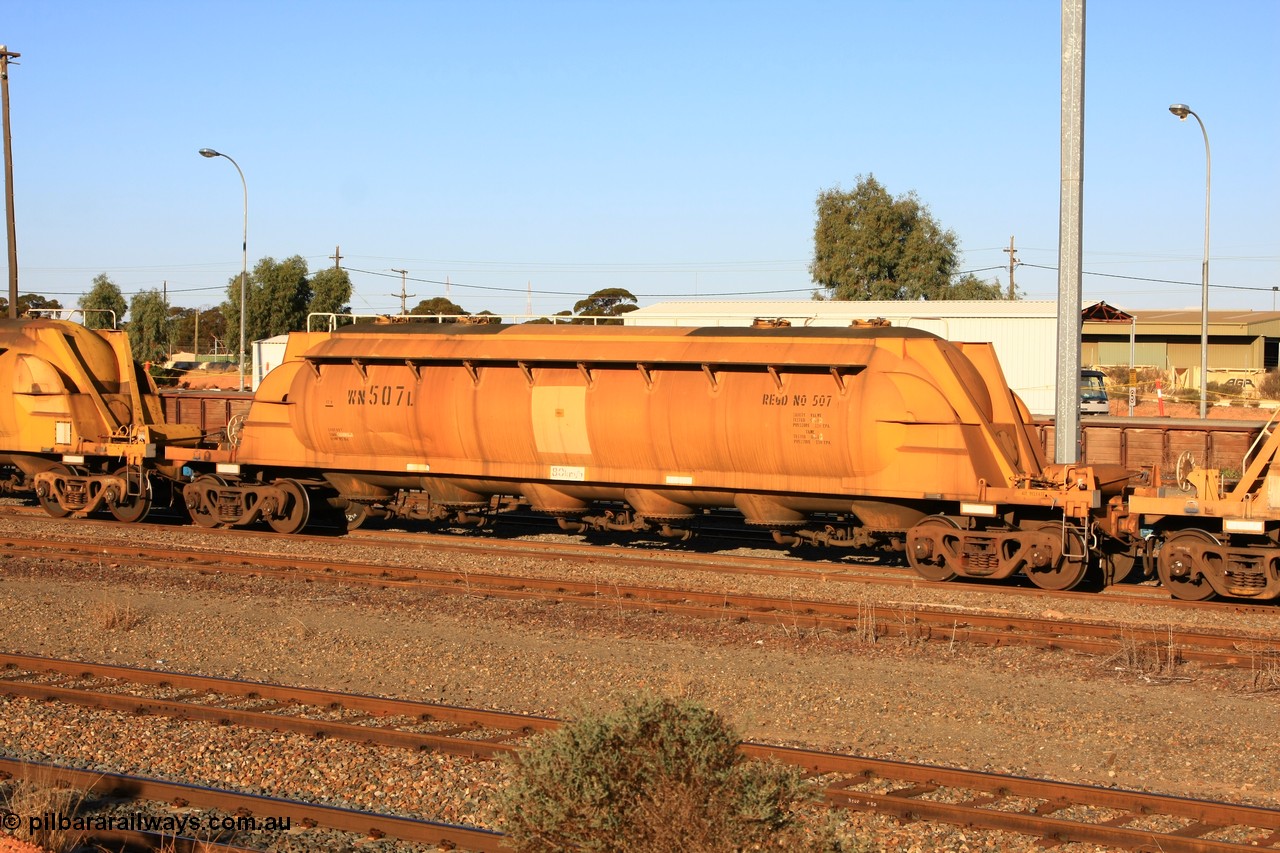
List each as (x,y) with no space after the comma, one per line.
(1269,385)
(659,774)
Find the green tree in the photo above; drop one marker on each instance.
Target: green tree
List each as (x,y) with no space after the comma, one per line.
(277,298)
(330,292)
(610,302)
(182,325)
(213,330)
(870,245)
(212,326)
(149,328)
(104,296)
(29,302)
(438,305)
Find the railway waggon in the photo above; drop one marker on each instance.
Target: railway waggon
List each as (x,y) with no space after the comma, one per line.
(80,422)
(870,436)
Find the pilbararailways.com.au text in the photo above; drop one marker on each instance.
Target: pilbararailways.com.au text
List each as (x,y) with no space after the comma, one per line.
(189,825)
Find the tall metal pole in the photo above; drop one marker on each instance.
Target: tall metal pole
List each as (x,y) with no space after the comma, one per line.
(404,283)
(1182,111)
(5,56)
(244,249)
(1066,439)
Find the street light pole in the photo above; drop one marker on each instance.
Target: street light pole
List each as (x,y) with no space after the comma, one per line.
(1182,111)
(5,56)
(244,253)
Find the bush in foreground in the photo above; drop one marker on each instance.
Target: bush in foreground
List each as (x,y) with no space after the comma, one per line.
(658,774)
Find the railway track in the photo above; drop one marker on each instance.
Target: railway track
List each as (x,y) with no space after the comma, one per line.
(868,622)
(1054,811)
(242,808)
(857,568)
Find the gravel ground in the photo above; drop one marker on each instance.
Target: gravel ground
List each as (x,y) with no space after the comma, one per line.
(1121,722)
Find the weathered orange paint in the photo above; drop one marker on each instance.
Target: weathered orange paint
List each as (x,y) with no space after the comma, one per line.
(670,420)
(77,391)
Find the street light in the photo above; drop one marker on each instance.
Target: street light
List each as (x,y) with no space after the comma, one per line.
(1182,111)
(244,249)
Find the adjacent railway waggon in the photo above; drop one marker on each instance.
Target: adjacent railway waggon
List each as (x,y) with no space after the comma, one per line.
(868,437)
(80,422)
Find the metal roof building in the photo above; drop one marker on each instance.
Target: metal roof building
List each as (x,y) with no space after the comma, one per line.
(1170,341)
(1023,333)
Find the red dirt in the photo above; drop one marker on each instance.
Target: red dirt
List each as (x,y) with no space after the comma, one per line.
(1151,409)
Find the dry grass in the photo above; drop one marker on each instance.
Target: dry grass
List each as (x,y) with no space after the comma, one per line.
(35,797)
(112,614)
(1264,673)
(1148,658)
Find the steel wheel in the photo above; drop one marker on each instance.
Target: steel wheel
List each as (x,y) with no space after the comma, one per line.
(929,565)
(49,502)
(356,514)
(197,494)
(132,508)
(1118,565)
(1173,565)
(1070,569)
(293,516)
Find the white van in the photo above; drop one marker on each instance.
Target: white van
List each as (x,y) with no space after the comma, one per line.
(1093,393)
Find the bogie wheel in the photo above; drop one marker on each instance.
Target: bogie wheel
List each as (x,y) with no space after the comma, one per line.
(1118,565)
(355,515)
(927,563)
(1173,565)
(50,502)
(1073,566)
(196,494)
(295,512)
(132,508)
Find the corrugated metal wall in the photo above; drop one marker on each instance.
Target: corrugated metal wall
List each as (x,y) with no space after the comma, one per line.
(1145,353)
(1025,347)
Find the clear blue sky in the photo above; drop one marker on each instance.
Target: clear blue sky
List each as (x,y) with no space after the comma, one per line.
(671,148)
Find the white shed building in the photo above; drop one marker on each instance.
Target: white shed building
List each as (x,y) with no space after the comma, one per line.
(1024,334)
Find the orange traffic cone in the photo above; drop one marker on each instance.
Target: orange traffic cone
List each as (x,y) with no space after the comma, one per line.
(1159,400)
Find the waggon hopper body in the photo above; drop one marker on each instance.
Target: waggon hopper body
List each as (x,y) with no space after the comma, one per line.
(80,421)
(861,436)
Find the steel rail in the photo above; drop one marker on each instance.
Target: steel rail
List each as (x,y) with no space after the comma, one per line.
(1202,816)
(916,622)
(990,810)
(371,708)
(778,567)
(373,825)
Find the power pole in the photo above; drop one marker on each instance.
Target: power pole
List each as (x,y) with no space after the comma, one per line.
(403,284)
(1013,262)
(337,257)
(1066,432)
(5,56)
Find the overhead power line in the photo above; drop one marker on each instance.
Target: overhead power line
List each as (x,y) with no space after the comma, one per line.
(1260,289)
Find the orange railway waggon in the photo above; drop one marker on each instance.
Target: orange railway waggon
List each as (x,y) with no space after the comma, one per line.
(871,436)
